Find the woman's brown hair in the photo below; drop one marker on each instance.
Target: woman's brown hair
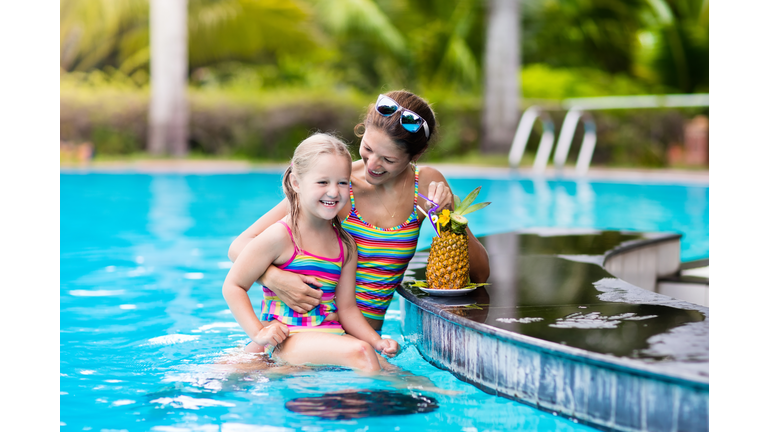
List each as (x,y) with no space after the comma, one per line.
(411,143)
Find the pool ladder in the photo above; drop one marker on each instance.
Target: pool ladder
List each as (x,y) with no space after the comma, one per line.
(548,137)
(577,110)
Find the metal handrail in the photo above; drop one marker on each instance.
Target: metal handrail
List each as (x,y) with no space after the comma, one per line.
(642,101)
(524,132)
(566,138)
(576,111)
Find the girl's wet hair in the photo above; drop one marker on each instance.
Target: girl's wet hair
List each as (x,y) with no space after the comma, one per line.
(411,143)
(304,158)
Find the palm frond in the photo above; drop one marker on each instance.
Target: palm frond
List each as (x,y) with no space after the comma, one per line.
(364,18)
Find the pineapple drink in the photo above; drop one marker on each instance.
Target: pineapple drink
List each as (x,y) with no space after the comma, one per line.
(448,262)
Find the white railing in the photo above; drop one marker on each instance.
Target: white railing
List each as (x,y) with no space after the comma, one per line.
(577,110)
(524,132)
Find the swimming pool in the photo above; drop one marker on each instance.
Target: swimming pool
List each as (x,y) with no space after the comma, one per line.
(142,318)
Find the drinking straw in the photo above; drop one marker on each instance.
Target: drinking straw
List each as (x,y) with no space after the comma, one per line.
(431,214)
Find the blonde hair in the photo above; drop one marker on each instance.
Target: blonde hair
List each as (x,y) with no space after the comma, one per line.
(303,159)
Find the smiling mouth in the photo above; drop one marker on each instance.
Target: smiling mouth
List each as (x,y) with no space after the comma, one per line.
(329,203)
(376,173)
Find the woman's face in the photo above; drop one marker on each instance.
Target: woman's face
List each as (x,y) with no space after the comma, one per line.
(384,160)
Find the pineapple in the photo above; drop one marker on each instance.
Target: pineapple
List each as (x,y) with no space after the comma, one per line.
(448,262)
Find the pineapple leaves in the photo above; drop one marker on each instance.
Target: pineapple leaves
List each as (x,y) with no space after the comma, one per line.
(466,206)
(468,200)
(475,207)
(456,202)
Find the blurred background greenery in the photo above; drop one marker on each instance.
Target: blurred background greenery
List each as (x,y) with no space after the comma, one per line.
(263,74)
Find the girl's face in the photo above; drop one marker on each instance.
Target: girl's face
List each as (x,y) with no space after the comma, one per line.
(384,160)
(324,189)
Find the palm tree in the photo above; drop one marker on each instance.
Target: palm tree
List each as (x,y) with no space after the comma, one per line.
(502,82)
(168,108)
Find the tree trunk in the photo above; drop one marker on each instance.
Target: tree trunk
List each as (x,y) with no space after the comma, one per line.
(168,109)
(502,82)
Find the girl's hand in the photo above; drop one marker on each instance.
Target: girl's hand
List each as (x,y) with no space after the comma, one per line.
(440,193)
(387,347)
(272,334)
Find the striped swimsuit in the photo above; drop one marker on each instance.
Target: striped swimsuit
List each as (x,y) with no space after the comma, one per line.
(327,271)
(382,256)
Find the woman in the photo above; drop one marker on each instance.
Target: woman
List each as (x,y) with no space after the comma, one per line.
(381,214)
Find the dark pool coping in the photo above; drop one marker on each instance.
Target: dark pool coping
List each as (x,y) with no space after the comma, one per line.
(603,360)
(649,238)
(636,367)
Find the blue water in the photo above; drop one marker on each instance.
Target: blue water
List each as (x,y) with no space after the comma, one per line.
(143,321)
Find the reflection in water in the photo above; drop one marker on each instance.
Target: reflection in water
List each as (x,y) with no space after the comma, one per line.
(352,404)
(169,207)
(168,220)
(534,292)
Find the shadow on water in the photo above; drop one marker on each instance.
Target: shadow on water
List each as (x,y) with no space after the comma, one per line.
(353,404)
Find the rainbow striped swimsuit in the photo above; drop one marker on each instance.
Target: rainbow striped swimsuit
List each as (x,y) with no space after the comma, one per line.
(382,256)
(327,271)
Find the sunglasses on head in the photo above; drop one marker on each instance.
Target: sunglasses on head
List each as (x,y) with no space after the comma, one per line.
(409,120)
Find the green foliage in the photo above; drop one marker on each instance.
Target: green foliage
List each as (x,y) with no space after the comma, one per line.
(235,120)
(662,42)
(99,33)
(676,52)
(249,30)
(577,33)
(264,74)
(540,81)
(113,141)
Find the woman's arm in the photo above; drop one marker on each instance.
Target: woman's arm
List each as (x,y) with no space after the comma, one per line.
(350,317)
(292,288)
(252,262)
(479,267)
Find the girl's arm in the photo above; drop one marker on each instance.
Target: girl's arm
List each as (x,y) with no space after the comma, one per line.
(271,245)
(351,318)
(479,267)
(292,288)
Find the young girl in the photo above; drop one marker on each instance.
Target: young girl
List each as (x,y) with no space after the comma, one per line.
(309,241)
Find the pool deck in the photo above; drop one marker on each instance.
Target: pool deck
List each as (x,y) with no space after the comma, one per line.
(191,166)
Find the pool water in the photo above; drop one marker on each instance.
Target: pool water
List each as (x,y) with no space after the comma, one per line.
(143,323)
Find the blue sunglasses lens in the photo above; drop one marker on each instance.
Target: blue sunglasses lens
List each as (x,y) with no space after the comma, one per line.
(410,121)
(387,107)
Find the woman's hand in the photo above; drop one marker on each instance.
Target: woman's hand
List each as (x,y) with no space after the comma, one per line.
(274,333)
(293,289)
(387,347)
(440,193)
